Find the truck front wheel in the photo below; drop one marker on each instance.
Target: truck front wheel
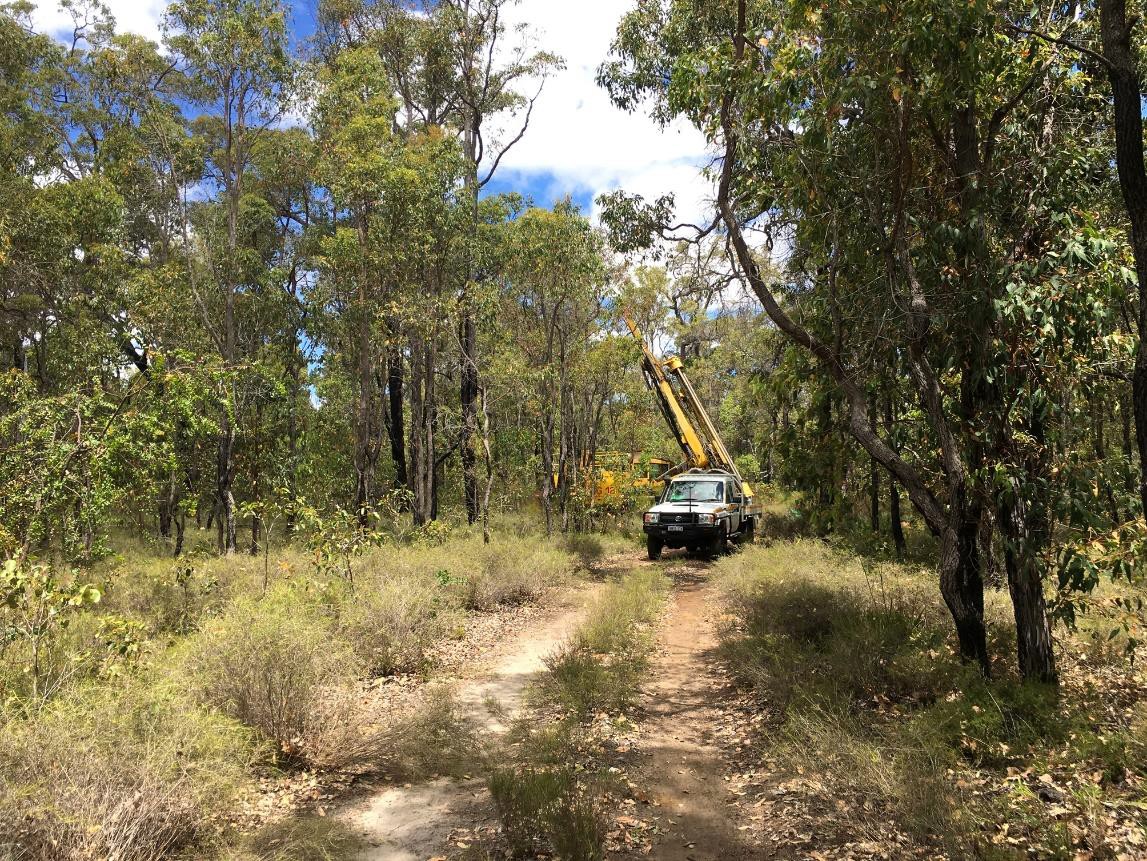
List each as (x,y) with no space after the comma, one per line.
(654,546)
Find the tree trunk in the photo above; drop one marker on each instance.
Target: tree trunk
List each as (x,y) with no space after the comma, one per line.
(422,419)
(1126,90)
(225,500)
(962,587)
(874,496)
(1025,583)
(395,380)
(468,390)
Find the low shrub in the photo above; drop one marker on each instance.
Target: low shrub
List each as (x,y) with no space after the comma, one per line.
(538,805)
(272,664)
(131,771)
(392,621)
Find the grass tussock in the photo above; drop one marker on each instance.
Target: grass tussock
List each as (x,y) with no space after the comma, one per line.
(853,664)
(601,666)
(540,805)
(299,838)
(131,771)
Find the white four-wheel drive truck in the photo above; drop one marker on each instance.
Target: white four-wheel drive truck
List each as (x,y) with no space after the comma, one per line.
(709,503)
(702,510)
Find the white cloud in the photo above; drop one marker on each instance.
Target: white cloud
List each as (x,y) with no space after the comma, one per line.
(580,139)
(142,17)
(577,142)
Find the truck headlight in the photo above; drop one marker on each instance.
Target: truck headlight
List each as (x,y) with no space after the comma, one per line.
(652,517)
(705,519)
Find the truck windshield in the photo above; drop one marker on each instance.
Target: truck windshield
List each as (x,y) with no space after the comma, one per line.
(696,491)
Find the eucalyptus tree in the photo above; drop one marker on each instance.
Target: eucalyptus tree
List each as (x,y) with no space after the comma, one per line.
(891,147)
(554,289)
(235,57)
(456,65)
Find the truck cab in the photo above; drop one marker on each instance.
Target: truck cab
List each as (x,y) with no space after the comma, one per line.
(702,510)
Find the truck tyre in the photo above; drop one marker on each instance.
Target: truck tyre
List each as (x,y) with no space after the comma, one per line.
(716,546)
(653,546)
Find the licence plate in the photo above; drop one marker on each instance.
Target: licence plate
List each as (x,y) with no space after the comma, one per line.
(676,528)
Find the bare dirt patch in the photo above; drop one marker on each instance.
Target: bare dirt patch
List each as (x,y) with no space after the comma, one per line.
(683,771)
(403,823)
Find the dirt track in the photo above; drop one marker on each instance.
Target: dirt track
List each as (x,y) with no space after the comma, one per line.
(413,823)
(681,769)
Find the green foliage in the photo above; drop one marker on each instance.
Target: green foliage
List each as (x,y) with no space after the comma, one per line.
(35,610)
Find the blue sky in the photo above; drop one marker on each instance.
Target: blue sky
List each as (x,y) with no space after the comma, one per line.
(578,144)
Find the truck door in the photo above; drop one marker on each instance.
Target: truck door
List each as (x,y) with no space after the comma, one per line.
(732,495)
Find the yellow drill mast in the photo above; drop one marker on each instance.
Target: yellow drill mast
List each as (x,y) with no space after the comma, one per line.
(685,413)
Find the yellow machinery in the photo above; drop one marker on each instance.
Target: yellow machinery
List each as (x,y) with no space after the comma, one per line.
(686,415)
(611,472)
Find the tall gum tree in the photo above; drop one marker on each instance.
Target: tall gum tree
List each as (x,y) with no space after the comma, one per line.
(234,54)
(889,160)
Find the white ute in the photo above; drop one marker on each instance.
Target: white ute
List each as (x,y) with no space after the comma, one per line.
(701,510)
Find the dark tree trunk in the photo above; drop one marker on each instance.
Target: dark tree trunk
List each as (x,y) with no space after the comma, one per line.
(422,421)
(395,383)
(1025,583)
(224,478)
(896,526)
(1126,90)
(19,354)
(962,587)
(180,520)
(874,496)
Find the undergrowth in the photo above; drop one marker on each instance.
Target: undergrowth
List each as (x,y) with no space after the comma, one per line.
(158,705)
(852,661)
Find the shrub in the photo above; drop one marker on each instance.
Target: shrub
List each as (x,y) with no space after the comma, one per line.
(548,804)
(132,771)
(272,664)
(391,622)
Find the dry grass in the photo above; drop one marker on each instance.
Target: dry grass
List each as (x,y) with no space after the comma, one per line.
(299,838)
(545,801)
(132,771)
(853,661)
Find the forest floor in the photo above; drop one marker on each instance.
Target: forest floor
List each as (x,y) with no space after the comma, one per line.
(695,767)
